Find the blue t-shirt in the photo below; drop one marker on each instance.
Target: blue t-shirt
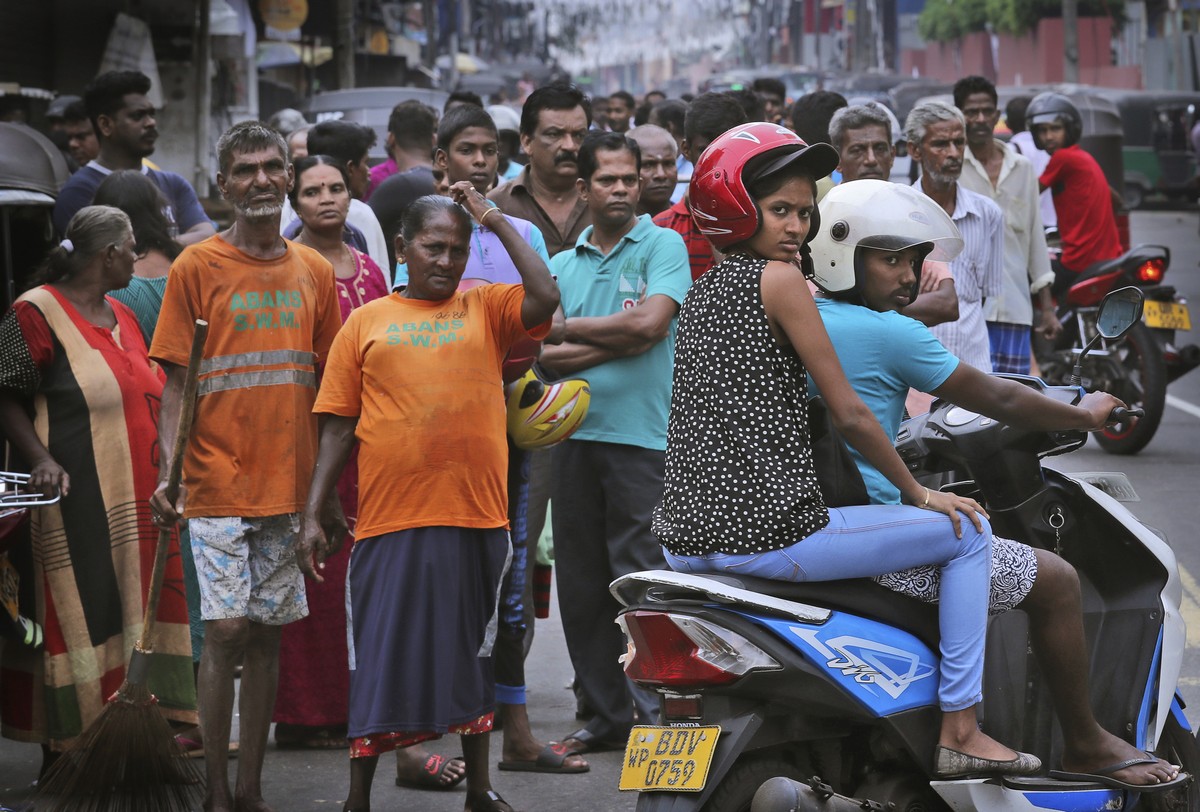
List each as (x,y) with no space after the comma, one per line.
(630,396)
(183,210)
(884,355)
(489,260)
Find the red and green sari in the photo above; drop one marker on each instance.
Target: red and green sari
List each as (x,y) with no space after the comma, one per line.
(95,398)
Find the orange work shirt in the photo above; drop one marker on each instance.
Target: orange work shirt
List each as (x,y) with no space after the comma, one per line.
(424,380)
(271,321)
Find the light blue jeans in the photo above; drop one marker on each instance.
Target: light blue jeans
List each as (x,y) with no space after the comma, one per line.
(862,542)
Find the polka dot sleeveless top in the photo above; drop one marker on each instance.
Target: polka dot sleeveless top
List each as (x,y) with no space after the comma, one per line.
(739,476)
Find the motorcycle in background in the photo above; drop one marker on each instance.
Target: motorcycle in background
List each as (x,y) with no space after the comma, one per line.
(835,683)
(1136,368)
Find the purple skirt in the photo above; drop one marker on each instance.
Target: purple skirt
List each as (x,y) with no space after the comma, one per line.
(422,606)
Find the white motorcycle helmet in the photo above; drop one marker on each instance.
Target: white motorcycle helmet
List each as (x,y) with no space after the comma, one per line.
(876,214)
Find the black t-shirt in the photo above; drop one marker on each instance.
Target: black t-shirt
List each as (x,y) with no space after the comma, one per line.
(391,200)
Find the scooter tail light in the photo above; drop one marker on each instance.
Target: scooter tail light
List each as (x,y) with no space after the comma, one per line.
(670,650)
(1151,271)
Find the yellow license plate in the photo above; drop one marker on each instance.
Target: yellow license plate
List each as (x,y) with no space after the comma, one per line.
(1166,315)
(668,758)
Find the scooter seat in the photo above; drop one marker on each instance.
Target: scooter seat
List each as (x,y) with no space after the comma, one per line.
(1100,268)
(858,596)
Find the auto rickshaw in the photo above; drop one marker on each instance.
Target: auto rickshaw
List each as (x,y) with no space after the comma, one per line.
(1157,152)
(32,171)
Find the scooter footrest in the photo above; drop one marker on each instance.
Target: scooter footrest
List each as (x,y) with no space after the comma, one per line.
(1041,782)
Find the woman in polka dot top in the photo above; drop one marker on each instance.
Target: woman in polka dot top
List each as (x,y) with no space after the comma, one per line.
(741,492)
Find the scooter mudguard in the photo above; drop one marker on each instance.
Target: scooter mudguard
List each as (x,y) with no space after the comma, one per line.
(1027,795)
(736,733)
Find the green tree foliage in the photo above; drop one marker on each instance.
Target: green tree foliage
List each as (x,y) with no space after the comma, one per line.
(945,20)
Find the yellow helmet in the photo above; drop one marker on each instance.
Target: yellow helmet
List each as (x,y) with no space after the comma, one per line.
(542,414)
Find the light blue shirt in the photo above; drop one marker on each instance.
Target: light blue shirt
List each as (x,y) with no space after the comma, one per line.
(630,396)
(489,259)
(883,356)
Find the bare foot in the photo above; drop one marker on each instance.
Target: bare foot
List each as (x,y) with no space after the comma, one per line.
(218,802)
(416,767)
(1107,750)
(251,805)
(519,741)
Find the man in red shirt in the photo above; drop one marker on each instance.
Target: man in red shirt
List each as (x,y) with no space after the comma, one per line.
(707,117)
(1082,197)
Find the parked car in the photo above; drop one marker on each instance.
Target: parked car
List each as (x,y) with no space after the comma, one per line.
(370,106)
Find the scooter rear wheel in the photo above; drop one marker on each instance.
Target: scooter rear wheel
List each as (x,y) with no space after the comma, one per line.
(1180,747)
(737,789)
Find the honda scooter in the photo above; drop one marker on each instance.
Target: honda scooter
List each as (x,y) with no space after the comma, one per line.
(836,683)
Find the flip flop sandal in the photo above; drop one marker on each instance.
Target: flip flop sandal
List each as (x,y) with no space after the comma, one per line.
(1104,776)
(492,802)
(431,775)
(552,759)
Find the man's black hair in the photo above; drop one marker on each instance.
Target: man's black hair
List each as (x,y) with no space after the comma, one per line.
(1014,113)
(343,140)
(598,140)
(462,97)
(769,84)
(554,96)
(811,114)
(670,115)
(625,96)
(105,95)
(973,84)
(412,124)
(710,115)
(642,114)
(75,111)
(752,105)
(459,119)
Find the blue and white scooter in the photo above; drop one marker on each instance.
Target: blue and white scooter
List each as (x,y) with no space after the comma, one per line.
(835,683)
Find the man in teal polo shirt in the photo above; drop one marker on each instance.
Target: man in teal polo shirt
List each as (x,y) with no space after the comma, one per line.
(621,288)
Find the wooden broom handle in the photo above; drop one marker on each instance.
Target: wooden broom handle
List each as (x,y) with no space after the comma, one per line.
(187,410)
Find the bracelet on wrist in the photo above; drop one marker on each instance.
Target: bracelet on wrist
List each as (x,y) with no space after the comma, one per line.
(925,504)
(484,216)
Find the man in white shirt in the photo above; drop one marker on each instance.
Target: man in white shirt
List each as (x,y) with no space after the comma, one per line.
(936,135)
(992,169)
(1022,141)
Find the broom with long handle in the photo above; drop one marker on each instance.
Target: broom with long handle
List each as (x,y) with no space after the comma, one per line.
(127,760)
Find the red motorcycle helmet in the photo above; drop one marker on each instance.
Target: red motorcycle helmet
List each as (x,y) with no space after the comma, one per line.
(722,206)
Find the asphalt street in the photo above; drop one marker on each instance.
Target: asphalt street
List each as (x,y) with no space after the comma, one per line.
(1164,474)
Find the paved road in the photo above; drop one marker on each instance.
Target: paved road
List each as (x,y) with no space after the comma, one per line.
(1165,476)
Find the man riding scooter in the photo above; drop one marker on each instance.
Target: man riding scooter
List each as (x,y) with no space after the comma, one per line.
(867,261)
(1082,197)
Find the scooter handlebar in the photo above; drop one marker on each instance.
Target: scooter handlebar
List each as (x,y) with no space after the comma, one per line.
(1122,414)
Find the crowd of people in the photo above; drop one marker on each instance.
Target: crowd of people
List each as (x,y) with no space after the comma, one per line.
(361,513)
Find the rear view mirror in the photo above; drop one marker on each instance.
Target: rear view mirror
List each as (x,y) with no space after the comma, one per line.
(1120,310)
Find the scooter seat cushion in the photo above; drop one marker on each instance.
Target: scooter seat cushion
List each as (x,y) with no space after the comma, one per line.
(858,596)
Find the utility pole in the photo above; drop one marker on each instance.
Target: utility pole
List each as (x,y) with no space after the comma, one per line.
(344,51)
(1070,18)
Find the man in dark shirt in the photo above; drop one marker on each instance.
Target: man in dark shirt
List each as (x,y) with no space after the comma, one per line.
(554,121)
(123,119)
